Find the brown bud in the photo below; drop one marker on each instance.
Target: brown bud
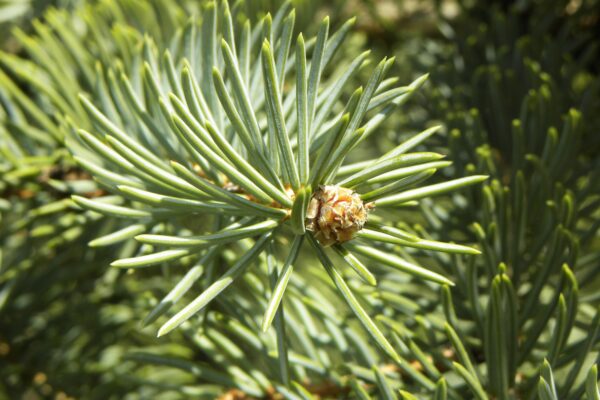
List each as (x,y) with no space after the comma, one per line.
(335,214)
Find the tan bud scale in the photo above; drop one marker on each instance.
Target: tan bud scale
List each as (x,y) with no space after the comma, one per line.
(335,214)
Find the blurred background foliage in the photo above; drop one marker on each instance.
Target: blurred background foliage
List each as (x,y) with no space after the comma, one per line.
(515,85)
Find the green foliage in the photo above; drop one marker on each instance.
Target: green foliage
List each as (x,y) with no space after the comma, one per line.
(187,143)
(522,118)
